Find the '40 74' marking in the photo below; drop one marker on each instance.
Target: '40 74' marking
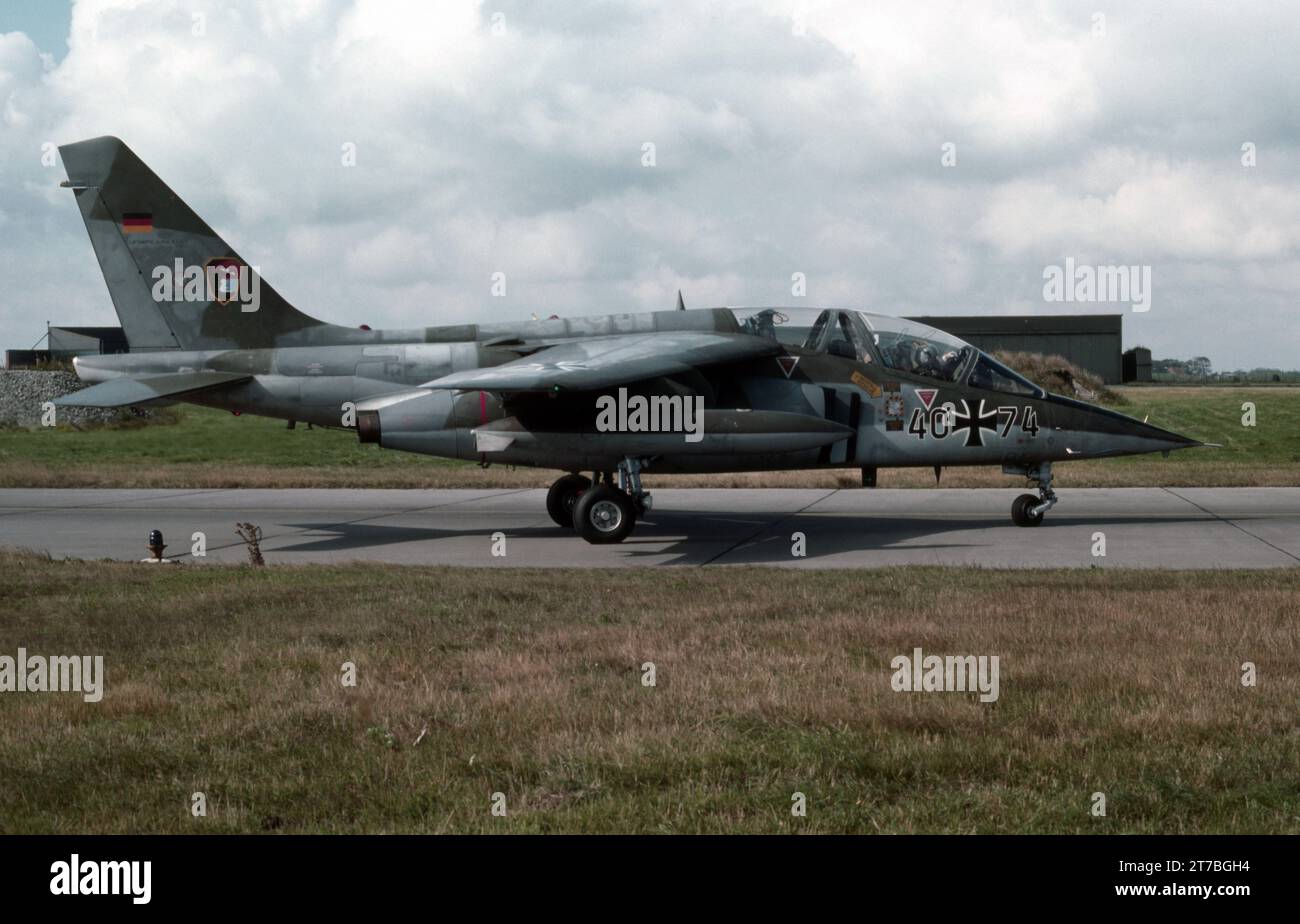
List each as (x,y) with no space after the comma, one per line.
(942,422)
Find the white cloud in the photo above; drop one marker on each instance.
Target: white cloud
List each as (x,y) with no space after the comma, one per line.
(776,152)
(1154,208)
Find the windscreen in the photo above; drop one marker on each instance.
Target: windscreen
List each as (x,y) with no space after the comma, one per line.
(991,374)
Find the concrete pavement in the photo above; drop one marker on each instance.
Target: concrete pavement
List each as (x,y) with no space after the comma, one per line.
(1143,527)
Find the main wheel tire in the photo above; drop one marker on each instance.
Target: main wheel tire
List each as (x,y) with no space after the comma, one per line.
(1022,511)
(563,497)
(603,515)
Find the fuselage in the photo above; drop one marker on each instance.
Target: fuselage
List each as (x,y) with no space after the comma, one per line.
(845,389)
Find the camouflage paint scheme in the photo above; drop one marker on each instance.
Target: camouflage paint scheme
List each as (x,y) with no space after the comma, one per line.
(524,393)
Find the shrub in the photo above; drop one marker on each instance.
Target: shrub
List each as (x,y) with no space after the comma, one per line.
(1057,374)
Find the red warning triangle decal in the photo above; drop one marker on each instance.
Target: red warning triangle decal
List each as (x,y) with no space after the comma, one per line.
(787,364)
(927,396)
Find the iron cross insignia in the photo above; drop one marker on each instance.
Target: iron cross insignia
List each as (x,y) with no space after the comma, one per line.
(975,423)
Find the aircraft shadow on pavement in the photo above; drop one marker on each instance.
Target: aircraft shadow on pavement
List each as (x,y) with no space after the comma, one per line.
(344,537)
(689,538)
(770,542)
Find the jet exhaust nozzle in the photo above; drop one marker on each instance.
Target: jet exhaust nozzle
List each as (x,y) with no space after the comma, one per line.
(416,421)
(368,428)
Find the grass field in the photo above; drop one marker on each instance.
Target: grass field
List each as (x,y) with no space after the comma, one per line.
(212,449)
(227,681)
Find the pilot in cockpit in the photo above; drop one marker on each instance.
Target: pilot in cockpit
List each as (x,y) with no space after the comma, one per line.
(921,357)
(763,323)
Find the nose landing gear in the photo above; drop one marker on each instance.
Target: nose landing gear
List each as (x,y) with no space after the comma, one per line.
(1022,511)
(1028,510)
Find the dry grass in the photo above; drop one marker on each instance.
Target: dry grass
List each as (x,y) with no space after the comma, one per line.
(226,680)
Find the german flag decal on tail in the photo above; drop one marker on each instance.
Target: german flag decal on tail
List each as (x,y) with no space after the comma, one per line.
(137,222)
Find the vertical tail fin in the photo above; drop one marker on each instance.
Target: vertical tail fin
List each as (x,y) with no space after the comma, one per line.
(174,283)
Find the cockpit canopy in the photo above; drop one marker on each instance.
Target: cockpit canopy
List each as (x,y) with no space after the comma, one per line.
(896,343)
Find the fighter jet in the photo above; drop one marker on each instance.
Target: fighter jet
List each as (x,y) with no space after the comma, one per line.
(617,395)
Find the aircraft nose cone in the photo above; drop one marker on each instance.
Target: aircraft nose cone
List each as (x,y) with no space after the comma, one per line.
(1156,433)
(1151,432)
(1078,415)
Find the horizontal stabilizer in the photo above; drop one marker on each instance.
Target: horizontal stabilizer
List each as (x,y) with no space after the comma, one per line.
(128,390)
(587,365)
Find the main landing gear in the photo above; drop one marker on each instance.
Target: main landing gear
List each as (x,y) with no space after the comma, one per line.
(601,511)
(1028,510)
(563,497)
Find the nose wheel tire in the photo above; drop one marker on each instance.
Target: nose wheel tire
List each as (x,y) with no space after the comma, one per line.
(563,497)
(604,515)
(1022,511)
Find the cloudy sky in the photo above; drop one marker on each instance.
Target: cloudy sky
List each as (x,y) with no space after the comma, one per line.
(788,138)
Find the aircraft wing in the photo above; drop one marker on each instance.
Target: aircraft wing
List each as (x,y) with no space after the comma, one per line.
(586,365)
(140,389)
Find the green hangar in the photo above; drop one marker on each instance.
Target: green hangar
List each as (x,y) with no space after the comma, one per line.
(1091,341)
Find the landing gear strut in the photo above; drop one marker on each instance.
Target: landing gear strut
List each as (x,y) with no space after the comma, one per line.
(629,480)
(605,513)
(1028,510)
